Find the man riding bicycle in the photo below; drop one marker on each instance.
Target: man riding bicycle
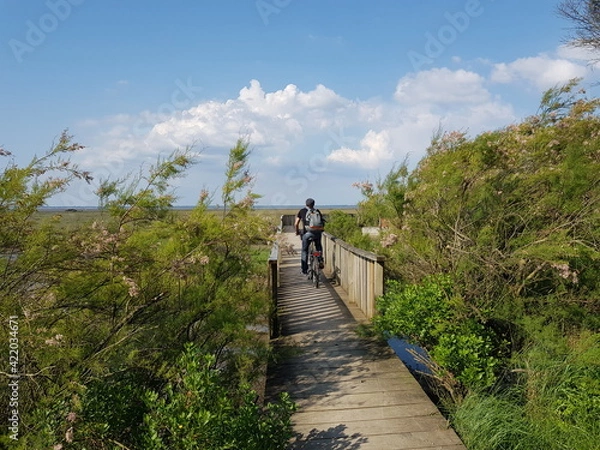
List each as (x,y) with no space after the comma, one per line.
(312,229)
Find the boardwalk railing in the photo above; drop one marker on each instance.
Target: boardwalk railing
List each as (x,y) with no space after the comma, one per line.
(287,223)
(274,280)
(358,272)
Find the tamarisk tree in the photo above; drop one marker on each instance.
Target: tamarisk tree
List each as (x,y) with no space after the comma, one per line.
(108,306)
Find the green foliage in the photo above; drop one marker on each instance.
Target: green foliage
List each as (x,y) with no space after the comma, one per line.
(429,315)
(558,102)
(106,308)
(146,196)
(344,226)
(237,178)
(562,376)
(24,189)
(197,411)
(112,408)
(469,351)
(554,403)
(512,216)
(417,312)
(490,422)
(385,199)
(509,213)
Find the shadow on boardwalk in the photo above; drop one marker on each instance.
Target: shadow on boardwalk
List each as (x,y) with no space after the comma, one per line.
(352,392)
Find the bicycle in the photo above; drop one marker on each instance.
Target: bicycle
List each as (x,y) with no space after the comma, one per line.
(314,266)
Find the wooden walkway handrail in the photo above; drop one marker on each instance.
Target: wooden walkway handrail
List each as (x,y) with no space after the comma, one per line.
(274,283)
(358,272)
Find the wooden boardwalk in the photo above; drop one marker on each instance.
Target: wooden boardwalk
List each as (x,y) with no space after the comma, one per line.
(352,392)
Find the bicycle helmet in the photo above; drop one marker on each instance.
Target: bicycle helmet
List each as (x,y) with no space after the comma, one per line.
(310,202)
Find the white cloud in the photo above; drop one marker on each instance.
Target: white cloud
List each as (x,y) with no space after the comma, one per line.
(425,101)
(541,71)
(303,138)
(588,55)
(374,149)
(442,86)
(117,87)
(274,119)
(287,101)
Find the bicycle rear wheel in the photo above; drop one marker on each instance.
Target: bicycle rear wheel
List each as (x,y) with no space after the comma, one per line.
(315,271)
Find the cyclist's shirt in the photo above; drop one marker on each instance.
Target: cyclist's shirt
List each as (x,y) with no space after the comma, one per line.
(302,215)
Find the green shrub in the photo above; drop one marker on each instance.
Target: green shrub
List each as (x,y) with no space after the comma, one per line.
(512,216)
(342,225)
(385,199)
(418,312)
(467,350)
(197,410)
(429,315)
(113,408)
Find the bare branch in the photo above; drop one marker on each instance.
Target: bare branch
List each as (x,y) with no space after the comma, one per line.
(585,17)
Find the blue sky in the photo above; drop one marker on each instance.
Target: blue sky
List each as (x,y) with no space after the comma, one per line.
(328,92)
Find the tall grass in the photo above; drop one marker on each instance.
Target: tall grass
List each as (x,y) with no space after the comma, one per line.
(490,423)
(555,405)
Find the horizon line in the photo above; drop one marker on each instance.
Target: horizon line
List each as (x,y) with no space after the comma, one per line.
(88,207)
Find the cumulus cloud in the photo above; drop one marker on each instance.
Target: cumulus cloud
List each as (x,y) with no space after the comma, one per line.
(442,86)
(287,101)
(299,135)
(586,55)
(374,149)
(425,101)
(541,71)
(273,120)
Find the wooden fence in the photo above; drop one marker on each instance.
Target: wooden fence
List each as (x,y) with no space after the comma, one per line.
(274,280)
(358,272)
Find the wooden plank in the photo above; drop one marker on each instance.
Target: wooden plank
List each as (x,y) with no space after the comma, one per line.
(326,418)
(351,391)
(377,427)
